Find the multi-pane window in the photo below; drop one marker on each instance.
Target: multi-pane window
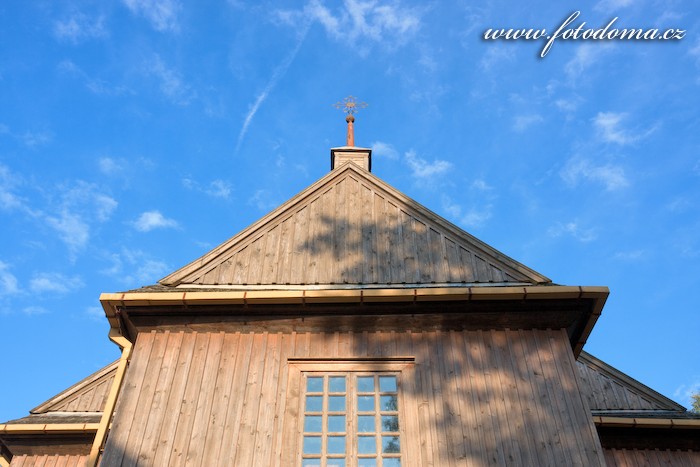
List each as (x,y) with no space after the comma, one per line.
(351,419)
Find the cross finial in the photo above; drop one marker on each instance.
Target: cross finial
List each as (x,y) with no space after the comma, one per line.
(350,106)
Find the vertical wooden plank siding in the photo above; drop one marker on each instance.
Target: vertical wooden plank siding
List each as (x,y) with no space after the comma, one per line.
(470,398)
(637,457)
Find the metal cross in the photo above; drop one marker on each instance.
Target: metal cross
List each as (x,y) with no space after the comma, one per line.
(349,105)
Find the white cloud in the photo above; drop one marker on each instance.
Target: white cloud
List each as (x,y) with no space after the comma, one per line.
(216,188)
(81,206)
(95,313)
(381,149)
(279,72)
(611,5)
(78,27)
(611,176)
(686,390)
(573,229)
(71,228)
(424,170)
(171,83)
(109,166)
(586,56)
(150,220)
(471,218)
(34,310)
(94,85)
(523,122)
(495,55)
(34,139)
(610,128)
(141,269)
(53,282)
(358,21)
(633,255)
(10,201)
(8,282)
(162,14)
(263,200)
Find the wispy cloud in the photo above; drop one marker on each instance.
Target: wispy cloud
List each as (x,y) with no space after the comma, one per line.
(53,282)
(611,176)
(215,188)
(360,23)
(263,200)
(584,58)
(471,218)
(612,5)
(574,230)
(611,130)
(482,197)
(279,72)
(94,85)
(496,55)
(110,166)
(79,27)
(381,149)
(141,269)
(8,282)
(423,170)
(151,220)
(162,14)
(633,255)
(34,310)
(523,122)
(172,85)
(81,204)
(10,200)
(684,392)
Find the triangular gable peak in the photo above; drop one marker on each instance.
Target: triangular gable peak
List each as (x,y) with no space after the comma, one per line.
(87,395)
(352,229)
(608,389)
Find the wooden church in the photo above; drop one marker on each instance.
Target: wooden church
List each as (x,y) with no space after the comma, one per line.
(352,326)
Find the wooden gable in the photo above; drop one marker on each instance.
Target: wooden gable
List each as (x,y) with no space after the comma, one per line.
(352,228)
(87,395)
(608,389)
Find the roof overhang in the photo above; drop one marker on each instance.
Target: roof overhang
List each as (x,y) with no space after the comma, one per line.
(488,306)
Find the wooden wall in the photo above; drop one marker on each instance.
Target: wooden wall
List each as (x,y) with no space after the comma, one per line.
(640,457)
(472,398)
(49,461)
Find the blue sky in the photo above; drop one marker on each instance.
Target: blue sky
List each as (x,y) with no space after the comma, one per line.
(136,135)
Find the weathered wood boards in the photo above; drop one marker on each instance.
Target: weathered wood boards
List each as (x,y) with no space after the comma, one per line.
(470,398)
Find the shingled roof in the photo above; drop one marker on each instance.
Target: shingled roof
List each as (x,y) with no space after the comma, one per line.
(352,229)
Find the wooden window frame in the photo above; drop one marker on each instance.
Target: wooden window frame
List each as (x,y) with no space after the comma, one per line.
(401,367)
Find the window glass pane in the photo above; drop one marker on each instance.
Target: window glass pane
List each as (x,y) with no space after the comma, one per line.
(366,445)
(365,383)
(391,462)
(336,384)
(367,462)
(314,384)
(336,445)
(312,445)
(365,424)
(336,403)
(365,403)
(311,463)
(336,462)
(312,423)
(390,423)
(336,423)
(314,403)
(388,403)
(390,444)
(387,384)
